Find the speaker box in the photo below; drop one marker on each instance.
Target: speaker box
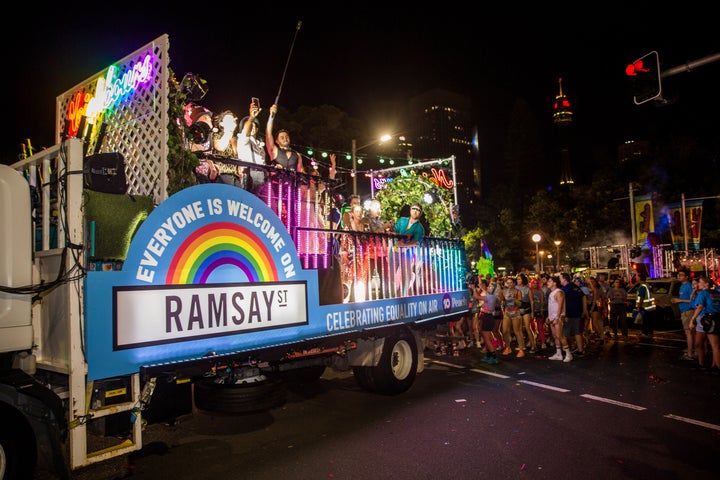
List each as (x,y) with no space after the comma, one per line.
(105,172)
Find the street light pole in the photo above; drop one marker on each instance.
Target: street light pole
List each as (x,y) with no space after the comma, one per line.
(354,164)
(355,149)
(536,238)
(557,244)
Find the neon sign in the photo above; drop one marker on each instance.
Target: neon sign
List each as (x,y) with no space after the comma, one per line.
(109,91)
(378,183)
(439,179)
(76,109)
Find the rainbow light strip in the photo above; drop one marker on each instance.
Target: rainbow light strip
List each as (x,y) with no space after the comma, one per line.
(216,245)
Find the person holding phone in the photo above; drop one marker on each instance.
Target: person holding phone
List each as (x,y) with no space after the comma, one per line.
(250,148)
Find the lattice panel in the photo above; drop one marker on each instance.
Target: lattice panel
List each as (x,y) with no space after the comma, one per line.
(136,125)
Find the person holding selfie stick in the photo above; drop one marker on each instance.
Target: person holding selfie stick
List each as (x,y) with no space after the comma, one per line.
(282,158)
(279,152)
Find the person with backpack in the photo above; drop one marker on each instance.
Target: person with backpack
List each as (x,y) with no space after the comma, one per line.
(575,311)
(706,320)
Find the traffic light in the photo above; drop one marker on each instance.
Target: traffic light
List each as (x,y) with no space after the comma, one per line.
(645,75)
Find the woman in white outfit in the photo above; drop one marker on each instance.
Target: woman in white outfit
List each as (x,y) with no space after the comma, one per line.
(556,319)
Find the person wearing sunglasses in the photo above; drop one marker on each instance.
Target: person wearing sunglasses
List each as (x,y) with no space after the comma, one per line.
(412,232)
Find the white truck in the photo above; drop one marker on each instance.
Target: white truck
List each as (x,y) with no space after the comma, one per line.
(214,300)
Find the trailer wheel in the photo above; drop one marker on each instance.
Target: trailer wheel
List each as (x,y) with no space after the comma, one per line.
(239,397)
(395,373)
(17,447)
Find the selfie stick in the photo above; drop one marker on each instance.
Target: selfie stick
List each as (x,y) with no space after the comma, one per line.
(297,29)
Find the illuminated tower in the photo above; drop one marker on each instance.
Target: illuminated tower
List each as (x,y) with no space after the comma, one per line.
(562,118)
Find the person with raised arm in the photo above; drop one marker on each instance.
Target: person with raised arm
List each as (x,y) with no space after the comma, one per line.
(250,148)
(280,154)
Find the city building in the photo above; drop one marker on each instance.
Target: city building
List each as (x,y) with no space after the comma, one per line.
(562,119)
(443,128)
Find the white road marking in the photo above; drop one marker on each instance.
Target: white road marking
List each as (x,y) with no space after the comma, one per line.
(542,385)
(491,374)
(694,422)
(613,402)
(451,365)
(699,423)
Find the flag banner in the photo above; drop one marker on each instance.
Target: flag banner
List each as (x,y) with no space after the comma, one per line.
(693,219)
(485,267)
(644,222)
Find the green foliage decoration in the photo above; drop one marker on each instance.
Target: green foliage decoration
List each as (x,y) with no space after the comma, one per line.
(181,161)
(410,187)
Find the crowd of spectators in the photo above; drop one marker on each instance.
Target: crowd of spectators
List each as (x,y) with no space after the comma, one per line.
(568,313)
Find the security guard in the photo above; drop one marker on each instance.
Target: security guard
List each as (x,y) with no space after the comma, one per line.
(646,306)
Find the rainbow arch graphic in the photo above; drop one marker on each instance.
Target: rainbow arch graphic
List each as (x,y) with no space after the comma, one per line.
(221,245)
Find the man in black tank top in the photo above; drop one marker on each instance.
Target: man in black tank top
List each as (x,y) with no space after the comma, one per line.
(279,152)
(284,158)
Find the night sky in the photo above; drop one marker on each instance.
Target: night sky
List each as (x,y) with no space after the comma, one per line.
(370,63)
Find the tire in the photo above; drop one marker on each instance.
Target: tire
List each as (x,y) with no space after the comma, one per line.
(239,398)
(17,447)
(396,371)
(363,377)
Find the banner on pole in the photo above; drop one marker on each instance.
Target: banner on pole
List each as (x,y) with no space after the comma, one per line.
(644,221)
(693,219)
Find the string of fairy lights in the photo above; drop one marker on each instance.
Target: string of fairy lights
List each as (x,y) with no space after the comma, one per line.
(321,160)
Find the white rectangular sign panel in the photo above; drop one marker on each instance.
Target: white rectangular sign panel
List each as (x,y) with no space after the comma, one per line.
(146,316)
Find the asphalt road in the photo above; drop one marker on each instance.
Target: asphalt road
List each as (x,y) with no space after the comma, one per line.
(626,410)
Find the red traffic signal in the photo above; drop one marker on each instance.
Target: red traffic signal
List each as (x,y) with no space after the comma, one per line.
(636,67)
(645,75)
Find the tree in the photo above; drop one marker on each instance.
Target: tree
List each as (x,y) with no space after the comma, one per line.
(473,240)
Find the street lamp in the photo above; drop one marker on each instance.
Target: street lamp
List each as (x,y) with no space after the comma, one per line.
(536,238)
(356,149)
(557,245)
(542,258)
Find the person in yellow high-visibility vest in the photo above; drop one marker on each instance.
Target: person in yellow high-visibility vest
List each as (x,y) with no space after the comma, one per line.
(645,305)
